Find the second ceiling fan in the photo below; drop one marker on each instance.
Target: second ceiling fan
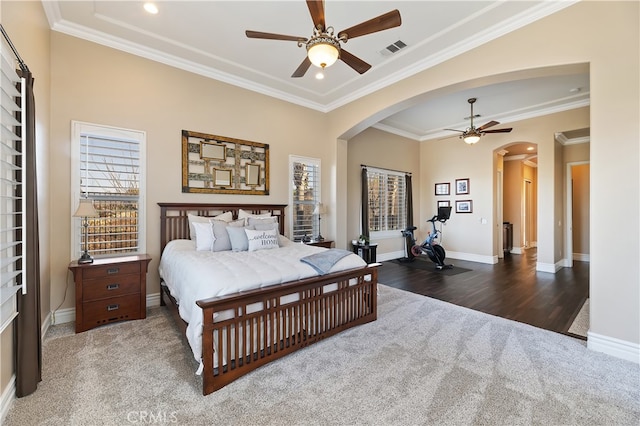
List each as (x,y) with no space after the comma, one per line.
(323,47)
(472,134)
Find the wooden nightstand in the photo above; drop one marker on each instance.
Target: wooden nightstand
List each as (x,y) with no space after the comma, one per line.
(110,290)
(325,243)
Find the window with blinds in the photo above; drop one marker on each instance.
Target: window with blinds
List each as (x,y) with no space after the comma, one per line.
(387,201)
(305,195)
(109,170)
(12,187)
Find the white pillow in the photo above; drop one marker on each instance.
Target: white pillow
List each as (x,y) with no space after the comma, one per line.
(260,240)
(204,236)
(242,214)
(226,216)
(238,238)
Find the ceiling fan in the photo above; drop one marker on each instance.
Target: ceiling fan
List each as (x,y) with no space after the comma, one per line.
(323,47)
(472,134)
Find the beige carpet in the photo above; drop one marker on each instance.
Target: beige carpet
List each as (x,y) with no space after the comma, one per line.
(423,362)
(580,325)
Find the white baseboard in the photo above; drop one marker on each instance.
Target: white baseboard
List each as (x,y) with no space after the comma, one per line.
(581,257)
(62,316)
(549,267)
(7,398)
(516,250)
(471,257)
(614,347)
(383,257)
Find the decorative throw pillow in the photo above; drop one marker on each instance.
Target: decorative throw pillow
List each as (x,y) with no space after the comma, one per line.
(260,240)
(265,226)
(204,236)
(222,241)
(238,238)
(243,214)
(226,216)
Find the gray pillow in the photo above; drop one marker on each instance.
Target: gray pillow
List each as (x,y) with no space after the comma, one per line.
(238,237)
(222,241)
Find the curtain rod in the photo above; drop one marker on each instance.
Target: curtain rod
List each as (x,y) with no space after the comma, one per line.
(364,166)
(23,66)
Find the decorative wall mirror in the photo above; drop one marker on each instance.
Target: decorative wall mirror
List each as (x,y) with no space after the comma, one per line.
(214,164)
(213,151)
(252,174)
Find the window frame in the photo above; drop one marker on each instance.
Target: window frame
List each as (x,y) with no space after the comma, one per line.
(78,128)
(317,191)
(389,233)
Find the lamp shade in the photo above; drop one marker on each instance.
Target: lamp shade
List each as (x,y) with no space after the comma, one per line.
(323,54)
(320,209)
(85,209)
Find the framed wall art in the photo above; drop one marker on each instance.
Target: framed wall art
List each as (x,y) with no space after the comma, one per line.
(442,188)
(462,186)
(443,203)
(464,206)
(214,164)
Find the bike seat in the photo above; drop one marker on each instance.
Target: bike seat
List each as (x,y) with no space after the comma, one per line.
(410,228)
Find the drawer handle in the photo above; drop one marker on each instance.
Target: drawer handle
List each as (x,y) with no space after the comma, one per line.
(113,307)
(112,271)
(113,286)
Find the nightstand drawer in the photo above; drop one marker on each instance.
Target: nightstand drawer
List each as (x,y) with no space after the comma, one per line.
(117,285)
(111,270)
(109,310)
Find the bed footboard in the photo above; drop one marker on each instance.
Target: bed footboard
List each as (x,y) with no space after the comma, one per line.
(291,316)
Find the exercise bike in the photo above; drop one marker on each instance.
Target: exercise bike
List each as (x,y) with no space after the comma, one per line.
(430,246)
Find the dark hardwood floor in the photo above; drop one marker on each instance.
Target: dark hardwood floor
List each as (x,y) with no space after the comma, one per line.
(511,289)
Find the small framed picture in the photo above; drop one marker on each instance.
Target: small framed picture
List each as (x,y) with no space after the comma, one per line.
(442,188)
(464,206)
(462,186)
(443,203)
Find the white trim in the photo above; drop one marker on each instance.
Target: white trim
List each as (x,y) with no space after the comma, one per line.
(8,396)
(550,267)
(614,347)
(472,257)
(582,257)
(153,300)
(383,257)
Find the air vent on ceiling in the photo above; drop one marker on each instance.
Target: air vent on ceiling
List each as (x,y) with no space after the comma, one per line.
(393,48)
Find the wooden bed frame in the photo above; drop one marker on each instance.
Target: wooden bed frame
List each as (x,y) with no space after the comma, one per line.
(322,306)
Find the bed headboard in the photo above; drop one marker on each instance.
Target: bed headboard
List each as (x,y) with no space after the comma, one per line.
(174,223)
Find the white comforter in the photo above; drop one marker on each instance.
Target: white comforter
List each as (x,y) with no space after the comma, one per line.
(193,275)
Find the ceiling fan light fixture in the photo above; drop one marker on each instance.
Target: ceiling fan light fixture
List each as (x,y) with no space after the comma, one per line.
(323,50)
(471,138)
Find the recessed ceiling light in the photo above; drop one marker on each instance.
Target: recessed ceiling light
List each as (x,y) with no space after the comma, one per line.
(319,76)
(151,8)
(530,148)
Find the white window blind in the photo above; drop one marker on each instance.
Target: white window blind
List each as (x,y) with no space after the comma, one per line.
(387,200)
(305,195)
(12,187)
(109,169)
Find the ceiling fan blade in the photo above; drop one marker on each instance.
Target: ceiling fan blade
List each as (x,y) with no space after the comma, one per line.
(316,9)
(505,130)
(454,130)
(271,36)
(302,69)
(380,23)
(354,62)
(486,126)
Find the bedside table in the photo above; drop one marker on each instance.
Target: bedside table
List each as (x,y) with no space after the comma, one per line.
(109,290)
(325,243)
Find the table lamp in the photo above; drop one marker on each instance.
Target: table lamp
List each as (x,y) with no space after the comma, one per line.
(319,210)
(85,211)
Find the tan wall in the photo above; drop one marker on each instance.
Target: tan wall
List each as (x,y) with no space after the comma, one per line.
(534,50)
(580,209)
(28,29)
(513,199)
(381,149)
